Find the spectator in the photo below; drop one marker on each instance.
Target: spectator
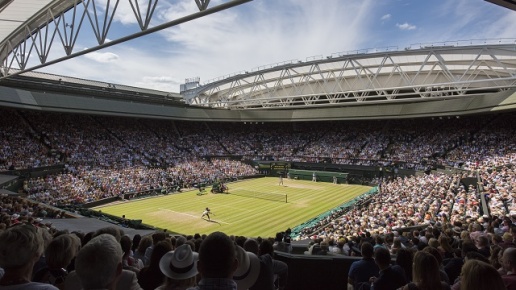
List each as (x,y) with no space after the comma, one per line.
(482,244)
(425,274)
(445,247)
(217,263)
(249,270)
(139,253)
(389,278)
(151,277)
(59,254)
(478,275)
(21,246)
(265,280)
(136,242)
(509,264)
(279,268)
(99,263)
(360,271)
(156,238)
(454,266)
(439,258)
(127,279)
(128,261)
(180,268)
(280,244)
(404,261)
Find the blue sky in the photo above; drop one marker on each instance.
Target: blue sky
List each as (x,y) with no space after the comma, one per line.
(263,32)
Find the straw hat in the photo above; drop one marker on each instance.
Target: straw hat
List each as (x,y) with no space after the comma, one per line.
(179,264)
(248,269)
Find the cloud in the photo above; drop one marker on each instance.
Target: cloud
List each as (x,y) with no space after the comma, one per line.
(162,83)
(160,79)
(103,57)
(266,32)
(136,67)
(406,26)
(124,13)
(463,20)
(385,17)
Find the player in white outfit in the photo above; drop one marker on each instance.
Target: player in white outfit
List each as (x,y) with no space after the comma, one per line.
(206,212)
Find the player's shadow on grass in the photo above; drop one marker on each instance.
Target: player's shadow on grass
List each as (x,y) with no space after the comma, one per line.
(211,221)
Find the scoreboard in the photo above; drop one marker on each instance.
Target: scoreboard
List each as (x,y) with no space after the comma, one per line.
(280,166)
(273,167)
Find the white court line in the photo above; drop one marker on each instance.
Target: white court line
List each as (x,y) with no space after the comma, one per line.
(190,215)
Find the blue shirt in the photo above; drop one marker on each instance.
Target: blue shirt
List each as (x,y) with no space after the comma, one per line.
(361,271)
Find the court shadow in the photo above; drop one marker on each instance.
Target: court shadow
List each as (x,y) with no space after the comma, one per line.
(211,221)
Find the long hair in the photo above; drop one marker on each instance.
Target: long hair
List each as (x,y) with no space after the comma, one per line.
(493,259)
(425,272)
(404,259)
(478,275)
(445,244)
(144,244)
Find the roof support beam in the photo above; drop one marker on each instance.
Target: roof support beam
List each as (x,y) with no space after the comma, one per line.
(68,32)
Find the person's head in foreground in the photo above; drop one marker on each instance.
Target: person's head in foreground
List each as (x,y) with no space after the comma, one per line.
(180,267)
(20,248)
(478,275)
(217,257)
(99,263)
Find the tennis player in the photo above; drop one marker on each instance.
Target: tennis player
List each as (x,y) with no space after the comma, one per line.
(206,212)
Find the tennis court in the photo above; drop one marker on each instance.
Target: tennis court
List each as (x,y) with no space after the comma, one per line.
(253,207)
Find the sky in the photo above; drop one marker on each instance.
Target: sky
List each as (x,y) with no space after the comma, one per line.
(264,32)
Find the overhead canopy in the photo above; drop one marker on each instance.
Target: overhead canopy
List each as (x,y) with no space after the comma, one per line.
(18,17)
(455,70)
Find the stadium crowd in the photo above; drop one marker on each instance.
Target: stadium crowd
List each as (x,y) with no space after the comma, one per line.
(435,222)
(440,255)
(32,139)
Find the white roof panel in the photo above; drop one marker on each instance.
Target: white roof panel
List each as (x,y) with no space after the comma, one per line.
(18,12)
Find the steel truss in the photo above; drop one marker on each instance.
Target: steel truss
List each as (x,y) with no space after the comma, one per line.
(62,25)
(411,75)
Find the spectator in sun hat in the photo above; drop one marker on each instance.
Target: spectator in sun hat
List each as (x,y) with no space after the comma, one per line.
(15,219)
(246,275)
(180,268)
(37,221)
(265,280)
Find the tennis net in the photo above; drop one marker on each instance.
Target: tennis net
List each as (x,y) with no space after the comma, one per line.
(262,195)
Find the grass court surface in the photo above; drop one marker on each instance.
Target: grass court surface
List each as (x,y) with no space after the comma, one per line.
(235,214)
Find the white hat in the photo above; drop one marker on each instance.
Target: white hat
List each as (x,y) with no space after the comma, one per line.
(179,264)
(248,269)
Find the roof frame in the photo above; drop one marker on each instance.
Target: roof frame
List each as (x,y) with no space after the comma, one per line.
(441,72)
(69,19)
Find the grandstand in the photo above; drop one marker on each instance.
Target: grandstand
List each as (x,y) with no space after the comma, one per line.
(426,133)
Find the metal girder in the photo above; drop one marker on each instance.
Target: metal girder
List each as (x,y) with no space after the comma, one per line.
(410,75)
(63,27)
